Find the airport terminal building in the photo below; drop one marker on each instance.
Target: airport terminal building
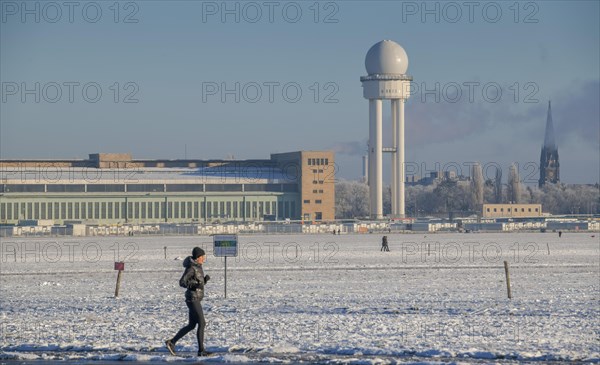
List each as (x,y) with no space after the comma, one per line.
(110,188)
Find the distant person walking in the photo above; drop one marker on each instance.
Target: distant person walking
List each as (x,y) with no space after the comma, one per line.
(193,280)
(559,234)
(384,244)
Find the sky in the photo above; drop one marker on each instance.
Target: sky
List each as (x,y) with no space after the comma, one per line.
(215,80)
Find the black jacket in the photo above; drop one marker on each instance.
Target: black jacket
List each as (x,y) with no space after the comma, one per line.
(193,278)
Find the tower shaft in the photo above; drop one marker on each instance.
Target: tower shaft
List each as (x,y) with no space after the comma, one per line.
(376,158)
(400,211)
(394,185)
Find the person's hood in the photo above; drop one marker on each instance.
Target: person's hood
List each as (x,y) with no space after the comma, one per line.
(189,261)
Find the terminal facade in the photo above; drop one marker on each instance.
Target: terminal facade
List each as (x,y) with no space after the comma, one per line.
(112,188)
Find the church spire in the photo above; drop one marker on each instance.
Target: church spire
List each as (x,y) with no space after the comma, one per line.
(549,141)
(549,165)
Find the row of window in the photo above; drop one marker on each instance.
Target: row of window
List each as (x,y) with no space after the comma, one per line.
(198,210)
(515,210)
(144,188)
(318,201)
(318,161)
(318,216)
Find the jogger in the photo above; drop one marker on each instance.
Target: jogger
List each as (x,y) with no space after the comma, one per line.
(193,279)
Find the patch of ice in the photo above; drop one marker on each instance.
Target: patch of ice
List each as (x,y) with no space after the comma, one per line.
(480,355)
(274,360)
(434,353)
(141,357)
(357,361)
(50,283)
(108,357)
(227,358)
(282,349)
(18,356)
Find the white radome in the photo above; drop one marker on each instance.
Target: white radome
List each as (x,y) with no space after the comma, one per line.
(386,57)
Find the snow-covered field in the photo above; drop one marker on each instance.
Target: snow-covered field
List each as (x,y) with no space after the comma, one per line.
(314,298)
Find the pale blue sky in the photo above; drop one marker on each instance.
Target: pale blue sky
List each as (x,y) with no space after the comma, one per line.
(176,46)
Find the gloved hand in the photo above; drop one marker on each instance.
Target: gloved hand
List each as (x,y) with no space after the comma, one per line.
(206,279)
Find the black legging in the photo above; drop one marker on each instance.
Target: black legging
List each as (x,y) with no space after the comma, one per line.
(196,318)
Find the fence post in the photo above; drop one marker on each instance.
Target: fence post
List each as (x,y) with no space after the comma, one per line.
(507,279)
(118,283)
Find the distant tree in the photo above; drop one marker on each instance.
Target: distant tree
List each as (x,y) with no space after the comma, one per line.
(420,200)
(431,202)
(565,199)
(387,200)
(477,183)
(533,195)
(351,199)
(514,188)
(489,195)
(498,187)
(552,198)
(446,190)
(416,200)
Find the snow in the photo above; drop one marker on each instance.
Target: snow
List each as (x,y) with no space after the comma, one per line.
(433,299)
